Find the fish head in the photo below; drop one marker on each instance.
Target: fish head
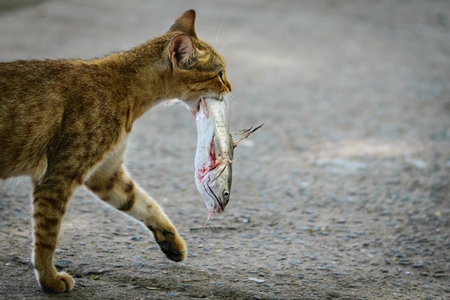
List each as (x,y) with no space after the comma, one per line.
(215,187)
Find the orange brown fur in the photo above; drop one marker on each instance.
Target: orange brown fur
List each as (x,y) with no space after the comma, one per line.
(65,123)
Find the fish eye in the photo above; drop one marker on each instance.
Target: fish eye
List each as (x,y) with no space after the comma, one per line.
(226,194)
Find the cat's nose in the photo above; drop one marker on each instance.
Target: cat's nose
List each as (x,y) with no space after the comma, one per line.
(229,86)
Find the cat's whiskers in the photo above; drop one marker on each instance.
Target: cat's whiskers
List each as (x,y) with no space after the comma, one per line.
(181,98)
(218,33)
(224,45)
(231,99)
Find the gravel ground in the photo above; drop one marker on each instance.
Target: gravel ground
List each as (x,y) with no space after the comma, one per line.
(343,194)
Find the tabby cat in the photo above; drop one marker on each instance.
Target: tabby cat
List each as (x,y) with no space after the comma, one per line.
(66,123)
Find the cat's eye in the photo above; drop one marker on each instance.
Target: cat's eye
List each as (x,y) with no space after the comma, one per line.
(221,75)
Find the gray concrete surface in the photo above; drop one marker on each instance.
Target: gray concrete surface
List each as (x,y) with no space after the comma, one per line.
(343,194)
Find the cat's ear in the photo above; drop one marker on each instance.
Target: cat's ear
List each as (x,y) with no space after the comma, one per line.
(181,50)
(185,23)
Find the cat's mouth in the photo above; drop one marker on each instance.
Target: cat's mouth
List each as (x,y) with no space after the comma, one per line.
(193,105)
(195,108)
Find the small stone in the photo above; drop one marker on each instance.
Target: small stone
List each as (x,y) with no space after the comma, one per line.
(94,272)
(384,271)
(439,274)
(254,279)
(16,258)
(294,262)
(418,264)
(61,264)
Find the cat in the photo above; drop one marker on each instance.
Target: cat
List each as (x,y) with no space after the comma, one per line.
(65,123)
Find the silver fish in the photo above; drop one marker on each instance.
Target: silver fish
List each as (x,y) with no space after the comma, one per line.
(214,155)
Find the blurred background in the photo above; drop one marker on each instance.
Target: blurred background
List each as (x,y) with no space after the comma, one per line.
(351,169)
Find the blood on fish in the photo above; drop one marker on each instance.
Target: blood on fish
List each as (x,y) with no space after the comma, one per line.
(211,164)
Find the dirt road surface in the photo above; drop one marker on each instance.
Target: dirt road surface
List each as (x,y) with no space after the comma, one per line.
(343,194)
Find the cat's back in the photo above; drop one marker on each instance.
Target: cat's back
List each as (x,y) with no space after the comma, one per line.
(28,81)
(32,107)
(49,104)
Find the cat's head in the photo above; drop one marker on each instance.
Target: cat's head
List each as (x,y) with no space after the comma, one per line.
(199,70)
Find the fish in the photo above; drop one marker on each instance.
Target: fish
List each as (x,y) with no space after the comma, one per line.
(214,154)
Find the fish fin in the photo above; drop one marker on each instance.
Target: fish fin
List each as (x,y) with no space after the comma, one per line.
(243,134)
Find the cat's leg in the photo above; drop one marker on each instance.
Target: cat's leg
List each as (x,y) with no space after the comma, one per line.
(114,185)
(50,198)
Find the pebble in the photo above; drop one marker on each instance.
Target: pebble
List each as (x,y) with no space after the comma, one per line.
(418,264)
(439,274)
(63,263)
(117,265)
(294,262)
(247,236)
(92,272)
(404,262)
(326,267)
(16,258)
(417,163)
(254,279)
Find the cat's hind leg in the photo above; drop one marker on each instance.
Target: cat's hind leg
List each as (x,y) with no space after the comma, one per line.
(114,186)
(50,198)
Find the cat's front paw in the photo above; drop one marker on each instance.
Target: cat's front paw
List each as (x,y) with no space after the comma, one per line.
(170,243)
(60,283)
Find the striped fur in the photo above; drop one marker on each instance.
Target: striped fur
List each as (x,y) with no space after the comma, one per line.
(65,123)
